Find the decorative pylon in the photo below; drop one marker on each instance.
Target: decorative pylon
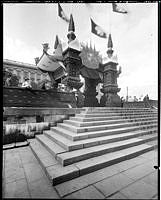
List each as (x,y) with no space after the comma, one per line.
(71,29)
(110,74)
(72,60)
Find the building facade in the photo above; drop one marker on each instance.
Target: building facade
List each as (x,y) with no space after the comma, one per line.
(23,70)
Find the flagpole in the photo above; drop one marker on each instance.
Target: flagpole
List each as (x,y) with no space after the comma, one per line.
(109,10)
(71,8)
(89,14)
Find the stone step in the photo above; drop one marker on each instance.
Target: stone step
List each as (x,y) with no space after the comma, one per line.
(80,144)
(82,119)
(59,173)
(95,123)
(71,157)
(114,108)
(66,143)
(103,127)
(75,137)
(108,159)
(111,114)
(52,168)
(50,145)
(118,111)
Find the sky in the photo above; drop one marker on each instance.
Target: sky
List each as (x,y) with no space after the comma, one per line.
(26,26)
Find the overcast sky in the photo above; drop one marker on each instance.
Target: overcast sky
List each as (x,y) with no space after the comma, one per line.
(135,37)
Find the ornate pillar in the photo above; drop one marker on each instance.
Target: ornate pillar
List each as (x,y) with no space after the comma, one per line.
(110,74)
(72,60)
(90,93)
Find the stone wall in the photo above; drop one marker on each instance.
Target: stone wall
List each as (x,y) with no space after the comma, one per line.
(22,97)
(32,115)
(141,104)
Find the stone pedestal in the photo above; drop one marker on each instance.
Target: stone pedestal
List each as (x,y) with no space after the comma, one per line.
(90,93)
(110,87)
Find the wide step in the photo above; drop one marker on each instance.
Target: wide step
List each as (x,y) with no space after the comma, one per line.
(70,145)
(94,139)
(103,127)
(89,119)
(83,154)
(74,136)
(104,122)
(59,174)
(52,147)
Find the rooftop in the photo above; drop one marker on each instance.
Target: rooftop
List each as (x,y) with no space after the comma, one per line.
(17,63)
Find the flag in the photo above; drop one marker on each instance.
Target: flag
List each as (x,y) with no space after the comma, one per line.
(62,14)
(97,30)
(118,8)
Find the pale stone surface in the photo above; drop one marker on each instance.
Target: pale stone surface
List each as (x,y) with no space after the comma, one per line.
(41,188)
(71,186)
(50,145)
(45,157)
(152,179)
(111,185)
(21,164)
(99,162)
(118,195)
(85,180)
(14,174)
(48,161)
(33,172)
(17,189)
(150,155)
(127,164)
(139,171)
(139,190)
(86,193)
(58,173)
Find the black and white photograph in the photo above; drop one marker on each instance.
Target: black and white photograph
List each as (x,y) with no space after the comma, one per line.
(80,100)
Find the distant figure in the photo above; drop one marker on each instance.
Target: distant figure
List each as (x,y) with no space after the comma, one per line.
(122,102)
(76,98)
(26,84)
(46,85)
(8,80)
(146,98)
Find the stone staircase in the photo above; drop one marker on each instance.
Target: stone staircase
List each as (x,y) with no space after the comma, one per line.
(94,139)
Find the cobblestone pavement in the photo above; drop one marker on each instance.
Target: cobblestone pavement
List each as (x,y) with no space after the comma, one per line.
(136,178)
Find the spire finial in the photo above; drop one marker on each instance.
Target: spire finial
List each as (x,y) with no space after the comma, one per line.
(71,36)
(110,46)
(71,24)
(110,43)
(56,42)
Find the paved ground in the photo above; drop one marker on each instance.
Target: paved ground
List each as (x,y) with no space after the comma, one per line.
(23,177)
